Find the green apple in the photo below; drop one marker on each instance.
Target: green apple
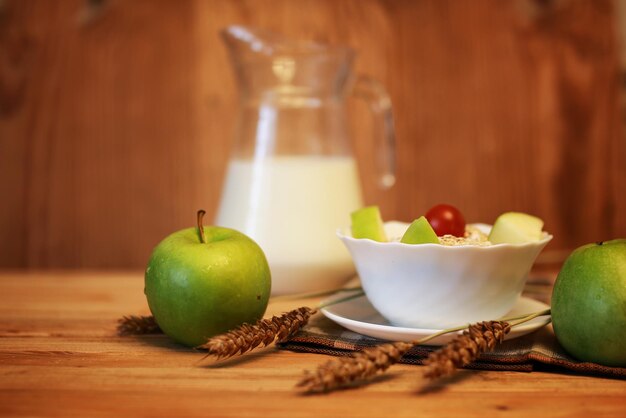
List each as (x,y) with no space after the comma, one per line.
(420,232)
(367,223)
(204,281)
(516,228)
(589,303)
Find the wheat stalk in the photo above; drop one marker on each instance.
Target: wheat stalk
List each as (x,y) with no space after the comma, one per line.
(359,367)
(137,325)
(263,333)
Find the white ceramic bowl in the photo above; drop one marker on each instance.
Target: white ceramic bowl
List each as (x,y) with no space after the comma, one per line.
(436,286)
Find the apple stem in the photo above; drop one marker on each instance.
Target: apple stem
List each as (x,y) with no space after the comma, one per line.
(201,214)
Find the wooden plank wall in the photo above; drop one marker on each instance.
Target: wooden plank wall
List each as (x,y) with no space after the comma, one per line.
(116,119)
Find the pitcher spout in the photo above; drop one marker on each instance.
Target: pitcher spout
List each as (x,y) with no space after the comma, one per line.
(242,39)
(269,65)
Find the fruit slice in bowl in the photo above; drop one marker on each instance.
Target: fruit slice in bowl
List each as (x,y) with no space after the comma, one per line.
(420,232)
(367,223)
(516,228)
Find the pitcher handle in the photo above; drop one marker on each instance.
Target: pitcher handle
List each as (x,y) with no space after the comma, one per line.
(375,94)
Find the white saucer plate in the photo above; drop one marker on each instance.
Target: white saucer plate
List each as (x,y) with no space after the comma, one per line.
(359,315)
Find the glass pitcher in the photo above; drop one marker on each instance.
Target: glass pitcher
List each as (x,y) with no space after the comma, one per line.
(292,179)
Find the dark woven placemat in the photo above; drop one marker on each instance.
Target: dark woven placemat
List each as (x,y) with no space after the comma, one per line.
(536,351)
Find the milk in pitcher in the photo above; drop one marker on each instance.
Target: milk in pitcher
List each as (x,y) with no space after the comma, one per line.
(291,206)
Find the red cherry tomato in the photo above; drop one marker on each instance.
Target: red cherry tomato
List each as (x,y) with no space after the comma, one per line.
(446,220)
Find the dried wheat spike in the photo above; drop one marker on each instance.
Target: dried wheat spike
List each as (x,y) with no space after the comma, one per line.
(263,333)
(464,349)
(361,366)
(137,325)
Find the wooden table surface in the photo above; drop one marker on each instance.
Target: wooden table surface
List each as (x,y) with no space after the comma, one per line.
(60,356)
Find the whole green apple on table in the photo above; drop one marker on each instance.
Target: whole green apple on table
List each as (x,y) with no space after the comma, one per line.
(589,303)
(204,281)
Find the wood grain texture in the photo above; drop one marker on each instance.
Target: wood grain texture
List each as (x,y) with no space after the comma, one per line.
(115,125)
(59,356)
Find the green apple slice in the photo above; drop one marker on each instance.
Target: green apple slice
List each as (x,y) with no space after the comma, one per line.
(516,228)
(420,232)
(367,223)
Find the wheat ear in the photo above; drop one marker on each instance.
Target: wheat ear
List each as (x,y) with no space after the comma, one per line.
(267,331)
(466,348)
(263,333)
(358,367)
(137,325)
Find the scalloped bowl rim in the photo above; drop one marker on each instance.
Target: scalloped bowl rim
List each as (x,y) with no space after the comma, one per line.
(342,234)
